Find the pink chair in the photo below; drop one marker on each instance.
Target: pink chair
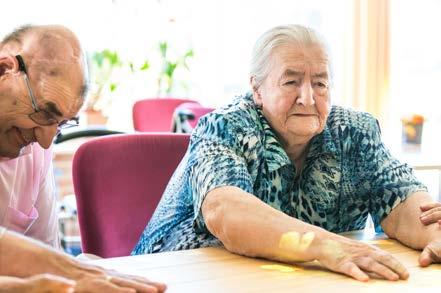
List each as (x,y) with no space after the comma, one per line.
(118,182)
(155,115)
(195,110)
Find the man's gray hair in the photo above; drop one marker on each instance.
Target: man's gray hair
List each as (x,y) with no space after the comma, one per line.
(48,37)
(17,35)
(277,37)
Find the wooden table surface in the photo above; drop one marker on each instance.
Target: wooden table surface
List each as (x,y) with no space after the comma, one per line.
(217,270)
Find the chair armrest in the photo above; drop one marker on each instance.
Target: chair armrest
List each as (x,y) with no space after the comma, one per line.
(84,132)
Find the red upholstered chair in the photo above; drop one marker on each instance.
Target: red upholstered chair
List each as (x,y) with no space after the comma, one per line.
(118,182)
(155,115)
(186,116)
(197,110)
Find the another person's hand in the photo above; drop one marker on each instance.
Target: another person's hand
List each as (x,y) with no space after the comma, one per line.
(97,279)
(431,253)
(44,283)
(431,213)
(356,259)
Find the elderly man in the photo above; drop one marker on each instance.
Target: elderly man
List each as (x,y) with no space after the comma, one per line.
(42,87)
(277,173)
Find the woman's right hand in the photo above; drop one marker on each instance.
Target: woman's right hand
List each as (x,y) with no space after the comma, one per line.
(356,259)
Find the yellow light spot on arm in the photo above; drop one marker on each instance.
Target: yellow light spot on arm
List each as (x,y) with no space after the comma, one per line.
(306,241)
(290,241)
(295,242)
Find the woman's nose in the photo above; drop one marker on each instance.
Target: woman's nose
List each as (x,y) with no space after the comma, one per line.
(306,97)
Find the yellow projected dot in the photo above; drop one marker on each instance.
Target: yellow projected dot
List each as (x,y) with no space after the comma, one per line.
(293,241)
(280,268)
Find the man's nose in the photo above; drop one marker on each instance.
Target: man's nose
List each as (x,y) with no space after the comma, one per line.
(45,135)
(306,95)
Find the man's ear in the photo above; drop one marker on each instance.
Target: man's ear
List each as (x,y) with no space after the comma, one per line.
(8,64)
(256,94)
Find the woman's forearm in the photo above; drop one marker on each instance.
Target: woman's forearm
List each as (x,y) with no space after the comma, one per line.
(248,226)
(404,224)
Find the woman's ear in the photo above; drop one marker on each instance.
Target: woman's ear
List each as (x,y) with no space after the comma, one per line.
(8,64)
(256,94)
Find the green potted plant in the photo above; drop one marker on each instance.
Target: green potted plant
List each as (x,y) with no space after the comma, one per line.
(102,67)
(166,78)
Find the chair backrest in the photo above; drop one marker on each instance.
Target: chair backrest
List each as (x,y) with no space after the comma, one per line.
(118,182)
(155,114)
(197,110)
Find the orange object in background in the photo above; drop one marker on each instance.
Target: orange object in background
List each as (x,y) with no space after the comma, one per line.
(412,130)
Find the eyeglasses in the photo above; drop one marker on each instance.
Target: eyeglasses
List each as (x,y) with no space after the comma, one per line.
(40,116)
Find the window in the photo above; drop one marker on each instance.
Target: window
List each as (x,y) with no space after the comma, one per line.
(221,33)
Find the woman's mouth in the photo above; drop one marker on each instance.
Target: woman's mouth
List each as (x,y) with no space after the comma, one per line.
(303,115)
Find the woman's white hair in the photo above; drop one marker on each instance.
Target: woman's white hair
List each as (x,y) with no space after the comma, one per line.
(274,38)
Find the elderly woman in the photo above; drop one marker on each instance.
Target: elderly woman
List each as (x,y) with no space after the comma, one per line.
(279,171)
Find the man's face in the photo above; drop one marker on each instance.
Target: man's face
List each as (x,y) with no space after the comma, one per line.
(295,95)
(58,93)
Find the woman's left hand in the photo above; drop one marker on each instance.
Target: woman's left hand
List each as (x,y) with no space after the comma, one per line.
(431,253)
(431,213)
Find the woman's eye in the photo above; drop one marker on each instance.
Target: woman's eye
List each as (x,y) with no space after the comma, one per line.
(292,82)
(321,85)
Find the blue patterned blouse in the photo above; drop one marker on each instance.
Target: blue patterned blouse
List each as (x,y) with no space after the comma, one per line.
(348,173)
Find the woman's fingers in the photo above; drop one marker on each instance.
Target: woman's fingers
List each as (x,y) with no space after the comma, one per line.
(356,259)
(431,216)
(430,205)
(392,263)
(352,270)
(431,253)
(368,264)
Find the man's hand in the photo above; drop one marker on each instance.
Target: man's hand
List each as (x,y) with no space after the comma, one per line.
(356,259)
(96,279)
(90,283)
(44,283)
(431,253)
(431,213)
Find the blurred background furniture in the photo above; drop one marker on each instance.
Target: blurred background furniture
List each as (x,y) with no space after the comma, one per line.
(155,115)
(66,143)
(79,132)
(118,182)
(187,115)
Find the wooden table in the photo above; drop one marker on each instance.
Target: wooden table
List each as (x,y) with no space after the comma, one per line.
(217,270)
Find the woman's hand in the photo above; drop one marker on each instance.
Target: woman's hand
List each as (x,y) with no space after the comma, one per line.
(356,259)
(431,253)
(431,213)
(44,283)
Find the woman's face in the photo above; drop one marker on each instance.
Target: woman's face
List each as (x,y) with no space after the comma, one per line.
(295,95)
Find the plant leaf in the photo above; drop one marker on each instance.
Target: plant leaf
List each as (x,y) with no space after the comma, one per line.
(163,49)
(113,87)
(145,66)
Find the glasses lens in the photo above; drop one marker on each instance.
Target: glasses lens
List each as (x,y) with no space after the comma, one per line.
(43,118)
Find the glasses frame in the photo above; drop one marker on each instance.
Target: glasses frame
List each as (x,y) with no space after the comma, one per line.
(50,119)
